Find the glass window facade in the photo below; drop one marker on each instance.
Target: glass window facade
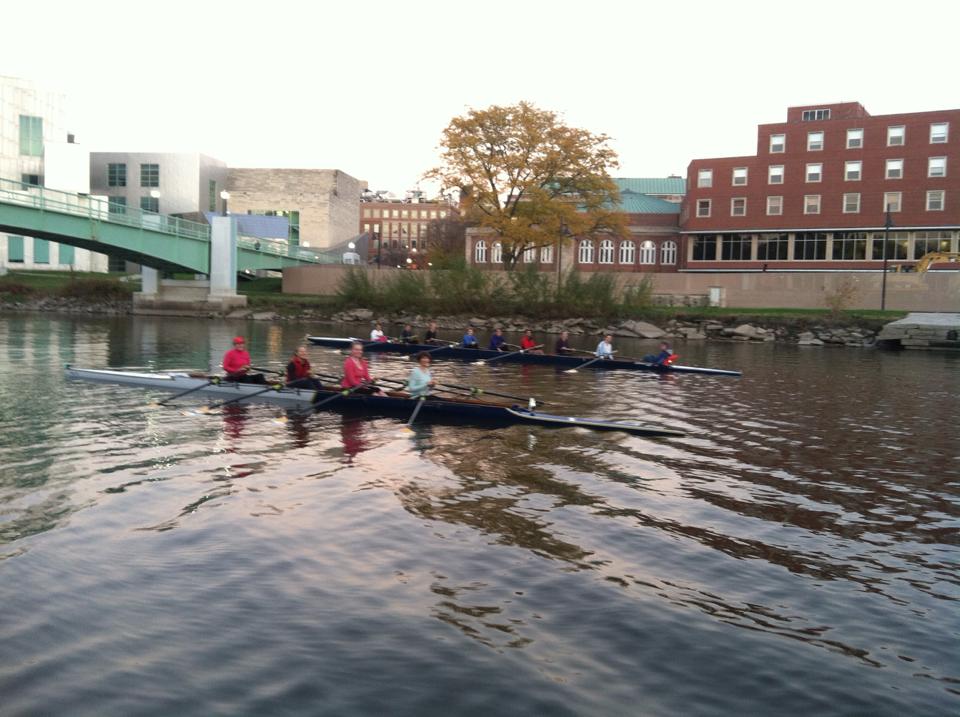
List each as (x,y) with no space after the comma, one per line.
(735,247)
(809,246)
(149,175)
(31,136)
(773,247)
(15,249)
(117,175)
(705,248)
(117,205)
(849,246)
(150,204)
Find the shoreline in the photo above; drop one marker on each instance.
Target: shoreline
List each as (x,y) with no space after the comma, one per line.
(733,326)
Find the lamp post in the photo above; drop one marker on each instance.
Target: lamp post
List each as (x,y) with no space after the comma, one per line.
(564,233)
(379,239)
(225,196)
(886,242)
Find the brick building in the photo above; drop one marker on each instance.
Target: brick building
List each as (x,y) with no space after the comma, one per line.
(652,243)
(399,227)
(814,196)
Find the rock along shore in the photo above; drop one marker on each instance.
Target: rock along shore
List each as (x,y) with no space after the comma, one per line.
(804,332)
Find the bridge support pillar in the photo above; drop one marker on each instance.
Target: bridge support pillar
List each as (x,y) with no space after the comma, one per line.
(223,258)
(149,281)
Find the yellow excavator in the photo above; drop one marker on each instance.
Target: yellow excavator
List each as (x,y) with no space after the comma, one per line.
(936,257)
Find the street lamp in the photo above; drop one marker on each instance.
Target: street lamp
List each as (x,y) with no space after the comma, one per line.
(564,233)
(886,241)
(225,196)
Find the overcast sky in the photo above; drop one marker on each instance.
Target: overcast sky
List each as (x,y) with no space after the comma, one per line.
(367,87)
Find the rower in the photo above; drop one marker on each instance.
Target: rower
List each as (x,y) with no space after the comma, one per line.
(470,340)
(562,346)
(430,337)
(356,372)
(236,364)
(496,341)
(377,333)
(407,336)
(420,380)
(664,358)
(299,373)
(605,347)
(528,344)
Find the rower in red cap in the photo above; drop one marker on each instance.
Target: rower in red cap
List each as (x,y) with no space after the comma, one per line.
(236,364)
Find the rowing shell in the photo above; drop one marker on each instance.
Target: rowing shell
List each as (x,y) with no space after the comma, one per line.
(460,410)
(462,354)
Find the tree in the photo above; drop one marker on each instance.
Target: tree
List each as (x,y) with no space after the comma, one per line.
(527,178)
(445,239)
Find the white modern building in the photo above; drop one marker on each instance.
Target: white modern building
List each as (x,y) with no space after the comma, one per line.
(36,149)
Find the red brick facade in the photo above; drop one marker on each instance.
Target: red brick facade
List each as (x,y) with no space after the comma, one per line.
(814,195)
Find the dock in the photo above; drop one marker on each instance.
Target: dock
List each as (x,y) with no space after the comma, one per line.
(922,331)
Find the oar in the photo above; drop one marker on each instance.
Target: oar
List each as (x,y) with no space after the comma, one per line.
(267,370)
(213,381)
(413,416)
(314,406)
(584,365)
(406,357)
(272,387)
(482,362)
(474,391)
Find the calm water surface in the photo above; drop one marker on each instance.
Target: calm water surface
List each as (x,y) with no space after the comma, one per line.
(796,554)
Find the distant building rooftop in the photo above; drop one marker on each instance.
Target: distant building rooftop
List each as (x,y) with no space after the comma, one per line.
(652,185)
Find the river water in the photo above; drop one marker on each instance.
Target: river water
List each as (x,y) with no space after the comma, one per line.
(795,554)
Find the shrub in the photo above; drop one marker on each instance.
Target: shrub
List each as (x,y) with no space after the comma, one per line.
(356,289)
(637,297)
(16,288)
(96,289)
(529,288)
(841,297)
(403,291)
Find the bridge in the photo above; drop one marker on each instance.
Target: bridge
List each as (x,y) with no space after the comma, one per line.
(154,240)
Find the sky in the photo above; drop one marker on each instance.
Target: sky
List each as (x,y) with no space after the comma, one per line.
(367,87)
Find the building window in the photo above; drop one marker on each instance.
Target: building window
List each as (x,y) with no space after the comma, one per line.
(894,169)
(31,136)
(546,255)
(852,170)
(668,252)
(530,255)
(30,180)
(150,204)
(849,246)
(648,252)
(854,138)
(739,176)
(433,213)
(814,115)
(116,175)
(628,252)
(937,167)
(149,175)
(705,178)
(809,246)
(212,195)
(703,207)
(442,214)
(117,205)
(927,242)
(774,206)
(735,247)
(606,252)
(772,247)
(814,141)
(778,143)
(585,252)
(891,201)
(935,200)
(814,172)
(480,252)
(851,203)
(775,174)
(15,249)
(366,228)
(811,204)
(367,213)
(496,253)
(938,132)
(705,248)
(41,251)
(894,248)
(896,136)
(738,207)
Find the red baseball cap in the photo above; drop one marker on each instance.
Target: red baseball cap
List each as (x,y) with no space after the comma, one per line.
(238,340)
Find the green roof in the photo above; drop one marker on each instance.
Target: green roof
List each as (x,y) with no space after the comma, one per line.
(633,203)
(652,185)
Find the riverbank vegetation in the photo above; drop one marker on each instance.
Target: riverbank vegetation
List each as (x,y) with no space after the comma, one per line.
(83,286)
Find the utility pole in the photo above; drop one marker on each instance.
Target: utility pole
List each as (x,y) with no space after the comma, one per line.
(886,242)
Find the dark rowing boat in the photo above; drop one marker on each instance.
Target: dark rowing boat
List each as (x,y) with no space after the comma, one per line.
(459,410)
(462,354)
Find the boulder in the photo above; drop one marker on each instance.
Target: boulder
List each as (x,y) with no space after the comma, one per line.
(810,342)
(359,314)
(745,330)
(806,336)
(643,329)
(265,316)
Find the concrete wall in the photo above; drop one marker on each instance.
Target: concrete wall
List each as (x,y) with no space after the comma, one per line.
(323,280)
(931,291)
(328,200)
